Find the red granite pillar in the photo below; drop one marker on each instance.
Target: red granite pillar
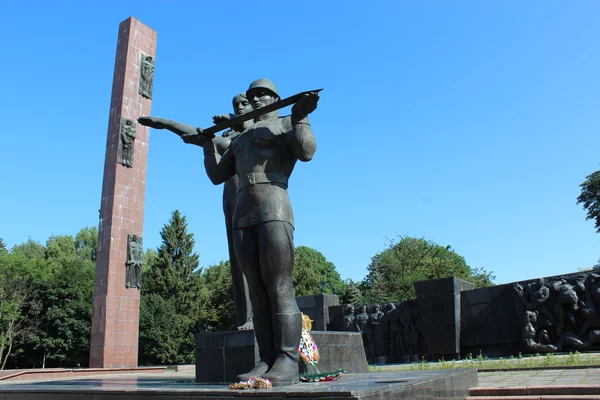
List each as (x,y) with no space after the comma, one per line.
(115,316)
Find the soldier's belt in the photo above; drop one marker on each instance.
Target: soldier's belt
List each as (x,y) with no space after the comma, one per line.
(261,177)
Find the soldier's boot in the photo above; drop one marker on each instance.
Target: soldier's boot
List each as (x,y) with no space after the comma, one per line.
(257,372)
(264,337)
(287,330)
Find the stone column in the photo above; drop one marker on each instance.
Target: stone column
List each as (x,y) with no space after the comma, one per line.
(439,308)
(115,316)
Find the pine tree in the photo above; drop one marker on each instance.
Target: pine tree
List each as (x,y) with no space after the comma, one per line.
(170,303)
(175,274)
(352,294)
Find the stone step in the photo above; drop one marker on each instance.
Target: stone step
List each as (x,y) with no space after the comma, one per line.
(580,392)
(539,397)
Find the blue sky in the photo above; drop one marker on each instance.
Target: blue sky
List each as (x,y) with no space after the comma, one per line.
(469,123)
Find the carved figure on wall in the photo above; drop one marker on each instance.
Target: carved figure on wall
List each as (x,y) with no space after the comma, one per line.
(377,324)
(146,76)
(366,329)
(535,297)
(565,304)
(410,332)
(350,320)
(393,328)
(241,105)
(133,265)
(565,312)
(573,341)
(126,141)
(590,308)
(535,341)
(418,323)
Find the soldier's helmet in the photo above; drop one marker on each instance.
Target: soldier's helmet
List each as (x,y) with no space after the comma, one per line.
(263,83)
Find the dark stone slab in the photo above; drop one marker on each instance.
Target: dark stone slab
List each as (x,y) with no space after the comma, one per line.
(440,311)
(340,350)
(489,322)
(317,308)
(452,384)
(222,356)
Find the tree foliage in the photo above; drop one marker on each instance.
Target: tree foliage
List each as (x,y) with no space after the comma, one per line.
(393,272)
(56,285)
(590,197)
(313,274)
(18,301)
(67,299)
(352,294)
(171,289)
(218,310)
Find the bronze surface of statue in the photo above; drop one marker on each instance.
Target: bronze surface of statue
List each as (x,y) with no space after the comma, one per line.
(534,340)
(133,265)
(377,324)
(364,326)
(350,320)
(591,307)
(126,142)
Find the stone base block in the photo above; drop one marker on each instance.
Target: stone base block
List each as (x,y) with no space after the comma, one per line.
(339,350)
(222,356)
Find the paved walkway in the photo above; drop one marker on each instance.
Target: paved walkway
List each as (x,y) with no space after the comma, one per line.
(540,377)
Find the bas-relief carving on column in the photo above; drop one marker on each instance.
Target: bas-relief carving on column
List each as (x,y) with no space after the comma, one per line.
(133,265)
(146,76)
(126,142)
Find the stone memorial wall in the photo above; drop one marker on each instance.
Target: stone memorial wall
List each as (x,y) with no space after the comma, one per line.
(451,320)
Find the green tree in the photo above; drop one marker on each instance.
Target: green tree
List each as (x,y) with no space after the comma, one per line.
(20,270)
(49,292)
(590,197)
(313,274)
(175,278)
(67,300)
(352,294)
(393,272)
(164,333)
(481,278)
(218,308)
(86,243)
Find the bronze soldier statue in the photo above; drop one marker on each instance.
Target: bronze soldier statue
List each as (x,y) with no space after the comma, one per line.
(263,158)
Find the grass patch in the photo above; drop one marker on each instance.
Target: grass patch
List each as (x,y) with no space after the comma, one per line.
(482,363)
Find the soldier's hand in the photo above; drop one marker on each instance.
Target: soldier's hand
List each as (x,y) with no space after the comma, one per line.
(206,135)
(152,122)
(197,138)
(306,105)
(217,119)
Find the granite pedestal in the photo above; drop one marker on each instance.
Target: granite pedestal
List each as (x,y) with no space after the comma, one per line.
(221,356)
(339,350)
(452,384)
